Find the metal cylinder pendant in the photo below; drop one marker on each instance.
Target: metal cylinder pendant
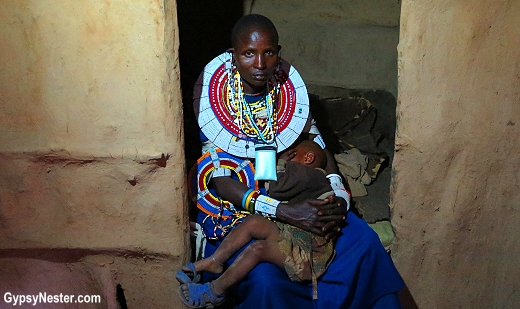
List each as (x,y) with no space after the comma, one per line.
(265,162)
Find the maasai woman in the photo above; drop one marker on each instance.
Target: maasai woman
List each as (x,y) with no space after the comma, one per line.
(251,104)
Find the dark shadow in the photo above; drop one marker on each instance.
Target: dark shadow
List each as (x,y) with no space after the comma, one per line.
(362,119)
(204,33)
(120,296)
(321,116)
(406,299)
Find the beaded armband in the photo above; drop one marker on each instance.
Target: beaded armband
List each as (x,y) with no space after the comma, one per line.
(339,188)
(266,206)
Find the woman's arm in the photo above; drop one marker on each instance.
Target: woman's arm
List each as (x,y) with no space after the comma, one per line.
(229,189)
(332,167)
(320,217)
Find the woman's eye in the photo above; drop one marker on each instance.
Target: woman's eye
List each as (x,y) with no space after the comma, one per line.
(249,54)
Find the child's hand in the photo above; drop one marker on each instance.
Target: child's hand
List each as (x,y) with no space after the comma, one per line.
(288,154)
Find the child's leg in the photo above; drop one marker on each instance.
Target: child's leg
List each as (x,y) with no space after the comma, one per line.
(257,252)
(253,227)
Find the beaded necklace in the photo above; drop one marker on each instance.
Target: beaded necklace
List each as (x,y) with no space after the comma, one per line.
(244,113)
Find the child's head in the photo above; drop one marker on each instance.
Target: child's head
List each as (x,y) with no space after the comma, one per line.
(311,154)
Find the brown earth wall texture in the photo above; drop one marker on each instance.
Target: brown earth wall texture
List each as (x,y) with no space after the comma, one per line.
(92,169)
(455,195)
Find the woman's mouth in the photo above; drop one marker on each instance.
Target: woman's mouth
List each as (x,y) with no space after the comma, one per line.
(259,77)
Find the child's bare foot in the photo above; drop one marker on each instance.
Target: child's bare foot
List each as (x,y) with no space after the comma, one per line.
(190,273)
(210,265)
(216,288)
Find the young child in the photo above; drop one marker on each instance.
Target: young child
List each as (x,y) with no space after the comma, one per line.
(303,255)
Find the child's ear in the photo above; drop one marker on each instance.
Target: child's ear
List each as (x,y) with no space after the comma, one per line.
(309,158)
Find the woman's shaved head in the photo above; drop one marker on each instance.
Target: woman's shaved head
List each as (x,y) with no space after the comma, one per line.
(252,22)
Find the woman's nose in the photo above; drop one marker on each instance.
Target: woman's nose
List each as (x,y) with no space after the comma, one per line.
(260,62)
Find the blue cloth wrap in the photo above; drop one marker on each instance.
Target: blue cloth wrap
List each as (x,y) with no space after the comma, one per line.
(362,275)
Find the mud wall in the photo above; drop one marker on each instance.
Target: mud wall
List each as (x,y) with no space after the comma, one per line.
(456,203)
(92,194)
(346,44)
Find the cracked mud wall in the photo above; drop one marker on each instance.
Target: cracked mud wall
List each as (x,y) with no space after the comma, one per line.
(92,169)
(456,197)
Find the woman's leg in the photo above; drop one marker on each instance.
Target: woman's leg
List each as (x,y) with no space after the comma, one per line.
(268,287)
(362,271)
(362,275)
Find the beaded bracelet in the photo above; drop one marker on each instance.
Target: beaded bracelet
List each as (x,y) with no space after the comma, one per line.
(244,199)
(249,200)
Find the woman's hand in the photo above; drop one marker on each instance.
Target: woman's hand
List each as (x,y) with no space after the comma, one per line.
(321,217)
(336,208)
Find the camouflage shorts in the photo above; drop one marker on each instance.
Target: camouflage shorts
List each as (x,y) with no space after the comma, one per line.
(306,253)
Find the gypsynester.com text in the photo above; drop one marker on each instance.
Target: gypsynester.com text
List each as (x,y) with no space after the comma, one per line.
(44,298)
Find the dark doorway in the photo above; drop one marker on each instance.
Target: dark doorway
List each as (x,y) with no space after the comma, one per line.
(204,33)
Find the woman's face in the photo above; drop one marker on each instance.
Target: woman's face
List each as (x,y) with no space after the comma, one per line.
(256,57)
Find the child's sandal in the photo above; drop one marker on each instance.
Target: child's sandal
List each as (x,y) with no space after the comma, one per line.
(199,296)
(187,274)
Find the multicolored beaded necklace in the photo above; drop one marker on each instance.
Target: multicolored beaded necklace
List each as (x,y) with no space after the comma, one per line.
(256,120)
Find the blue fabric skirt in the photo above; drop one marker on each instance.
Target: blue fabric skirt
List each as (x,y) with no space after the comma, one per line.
(362,275)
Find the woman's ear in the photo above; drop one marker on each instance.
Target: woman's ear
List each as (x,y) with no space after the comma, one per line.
(231,50)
